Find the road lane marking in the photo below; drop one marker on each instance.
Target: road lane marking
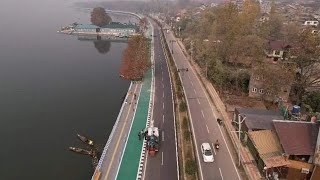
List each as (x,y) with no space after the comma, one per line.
(163,94)
(191,83)
(198,101)
(207,129)
(161,158)
(221,173)
(214,149)
(118,141)
(162,78)
(162,85)
(195,91)
(162,73)
(202,113)
(162,135)
(163,105)
(163,118)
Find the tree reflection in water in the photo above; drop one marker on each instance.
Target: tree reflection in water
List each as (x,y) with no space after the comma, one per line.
(103,47)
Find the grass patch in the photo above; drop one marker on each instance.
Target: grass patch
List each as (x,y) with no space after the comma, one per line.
(191,167)
(183,106)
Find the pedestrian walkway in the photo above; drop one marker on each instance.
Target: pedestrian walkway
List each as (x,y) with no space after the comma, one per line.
(130,161)
(112,153)
(246,157)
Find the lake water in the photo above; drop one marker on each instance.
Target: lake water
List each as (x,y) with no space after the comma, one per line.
(53,86)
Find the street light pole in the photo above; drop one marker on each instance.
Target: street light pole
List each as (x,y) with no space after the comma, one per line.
(239,131)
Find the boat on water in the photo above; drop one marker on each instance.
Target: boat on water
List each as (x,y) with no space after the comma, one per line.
(81,151)
(85,140)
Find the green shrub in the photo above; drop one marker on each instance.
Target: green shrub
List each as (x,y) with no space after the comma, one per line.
(186,135)
(191,167)
(183,107)
(185,123)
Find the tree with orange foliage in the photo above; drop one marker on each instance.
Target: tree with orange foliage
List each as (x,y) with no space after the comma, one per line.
(143,24)
(135,61)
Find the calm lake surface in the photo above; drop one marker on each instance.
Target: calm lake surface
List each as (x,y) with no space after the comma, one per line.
(53,86)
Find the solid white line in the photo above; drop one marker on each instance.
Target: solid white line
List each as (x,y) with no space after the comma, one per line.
(161,158)
(221,174)
(198,101)
(208,129)
(202,113)
(213,149)
(195,91)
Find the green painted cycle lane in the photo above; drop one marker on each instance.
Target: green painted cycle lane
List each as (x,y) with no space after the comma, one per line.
(131,157)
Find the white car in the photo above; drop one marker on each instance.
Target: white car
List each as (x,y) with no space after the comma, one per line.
(206,152)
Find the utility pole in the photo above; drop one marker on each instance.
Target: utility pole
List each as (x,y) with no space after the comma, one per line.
(240,121)
(191,49)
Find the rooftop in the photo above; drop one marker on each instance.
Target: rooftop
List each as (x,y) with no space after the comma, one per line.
(86,26)
(278,45)
(297,138)
(259,118)
(117,25)
(268,147)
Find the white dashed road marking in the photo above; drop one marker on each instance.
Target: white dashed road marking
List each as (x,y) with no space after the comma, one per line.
(208,129)
(163,118)
(221,174)
(161,158)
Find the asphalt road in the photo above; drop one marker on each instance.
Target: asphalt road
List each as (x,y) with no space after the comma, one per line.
(205,126)
(164,164)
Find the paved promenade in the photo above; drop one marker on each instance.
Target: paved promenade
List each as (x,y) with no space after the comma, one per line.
(131,158)
(112,154)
